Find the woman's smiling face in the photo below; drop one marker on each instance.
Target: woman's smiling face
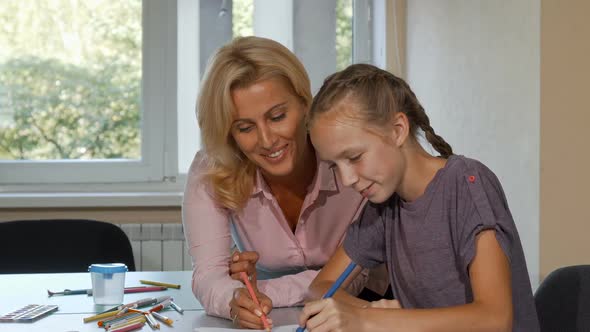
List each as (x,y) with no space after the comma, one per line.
(268,125)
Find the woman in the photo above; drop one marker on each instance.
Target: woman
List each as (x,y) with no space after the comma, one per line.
(258,181)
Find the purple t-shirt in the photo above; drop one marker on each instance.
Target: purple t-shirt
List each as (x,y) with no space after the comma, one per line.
(429,243)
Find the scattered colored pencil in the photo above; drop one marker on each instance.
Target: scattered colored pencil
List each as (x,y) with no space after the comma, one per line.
(100,316)
(132,327)
(157,283)
(127,290)
(163,318)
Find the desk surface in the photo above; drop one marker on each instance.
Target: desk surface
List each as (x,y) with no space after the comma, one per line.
(18,290)
(186,322)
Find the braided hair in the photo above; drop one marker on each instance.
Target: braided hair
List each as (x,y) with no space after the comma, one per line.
(380,94)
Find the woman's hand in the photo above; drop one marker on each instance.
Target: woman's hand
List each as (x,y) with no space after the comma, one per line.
(245,313)
(244,262)
(330,315)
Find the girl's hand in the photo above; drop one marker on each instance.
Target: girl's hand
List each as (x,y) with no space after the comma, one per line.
(330,315)
(244,262)
(385,304)
(245,313)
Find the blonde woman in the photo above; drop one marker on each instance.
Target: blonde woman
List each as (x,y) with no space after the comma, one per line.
(258,183)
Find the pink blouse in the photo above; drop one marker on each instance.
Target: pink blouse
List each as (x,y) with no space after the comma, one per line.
(291,259)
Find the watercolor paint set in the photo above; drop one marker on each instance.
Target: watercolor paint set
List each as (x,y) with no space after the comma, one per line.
(28,313)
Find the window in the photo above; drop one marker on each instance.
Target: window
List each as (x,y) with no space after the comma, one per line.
(79,100)
(105,91)
(70,90)
(243,25)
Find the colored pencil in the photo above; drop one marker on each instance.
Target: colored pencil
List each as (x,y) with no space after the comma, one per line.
(127,290)
(157,283)
(100,316)
(244,277)
(123,321)
(126,322)
(163,318)
(152,321)
(161,305)
(176,307)
(145,289)
(131,327)
(112,320)
(335,286)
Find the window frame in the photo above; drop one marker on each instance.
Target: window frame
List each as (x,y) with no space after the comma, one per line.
(166,90)
(158,98)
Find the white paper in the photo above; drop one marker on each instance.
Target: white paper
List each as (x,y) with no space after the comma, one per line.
(284,328)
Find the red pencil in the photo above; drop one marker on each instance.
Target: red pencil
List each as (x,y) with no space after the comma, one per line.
(131,327)
(254,298)
(161,306)
(142,289)
(139,289)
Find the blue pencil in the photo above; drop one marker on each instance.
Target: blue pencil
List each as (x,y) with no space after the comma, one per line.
(335,286)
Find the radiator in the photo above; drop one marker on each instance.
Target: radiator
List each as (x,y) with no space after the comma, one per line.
(158,247)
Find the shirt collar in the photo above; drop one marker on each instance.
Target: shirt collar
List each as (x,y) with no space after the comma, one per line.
(324,180)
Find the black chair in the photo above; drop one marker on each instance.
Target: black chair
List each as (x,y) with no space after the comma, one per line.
(563,300)
(52,246)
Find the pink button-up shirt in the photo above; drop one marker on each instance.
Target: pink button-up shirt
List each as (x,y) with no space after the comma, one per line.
(292,259)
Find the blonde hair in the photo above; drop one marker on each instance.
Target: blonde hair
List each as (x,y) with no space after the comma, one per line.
(240,63)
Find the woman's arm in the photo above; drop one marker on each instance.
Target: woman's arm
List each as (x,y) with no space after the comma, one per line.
(206,229)
(491,309)
(289,290)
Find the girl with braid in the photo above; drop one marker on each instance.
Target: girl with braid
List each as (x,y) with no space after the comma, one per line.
(440,223)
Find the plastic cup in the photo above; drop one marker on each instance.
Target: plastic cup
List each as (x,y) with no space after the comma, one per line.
(108,282)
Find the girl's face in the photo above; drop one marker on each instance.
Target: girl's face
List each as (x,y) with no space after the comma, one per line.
(268,126)
(366,159)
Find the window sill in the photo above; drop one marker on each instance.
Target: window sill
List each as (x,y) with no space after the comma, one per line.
(68,200)
(93,195)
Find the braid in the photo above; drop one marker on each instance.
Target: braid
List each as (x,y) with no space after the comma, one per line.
(408,103)
(437,142)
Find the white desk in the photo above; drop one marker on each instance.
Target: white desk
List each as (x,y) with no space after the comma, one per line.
(18,290)
(182,323)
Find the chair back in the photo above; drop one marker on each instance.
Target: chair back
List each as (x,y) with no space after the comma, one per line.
(563,300)
(52,246)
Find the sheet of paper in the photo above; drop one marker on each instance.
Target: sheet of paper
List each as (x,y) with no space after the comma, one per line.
(284,328)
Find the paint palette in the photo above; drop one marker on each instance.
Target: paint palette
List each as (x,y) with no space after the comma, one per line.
(28,313)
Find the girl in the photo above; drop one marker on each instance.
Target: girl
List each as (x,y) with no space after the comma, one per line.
(258,183)
(441,224)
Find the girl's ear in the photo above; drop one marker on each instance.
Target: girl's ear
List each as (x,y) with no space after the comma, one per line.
(400,128)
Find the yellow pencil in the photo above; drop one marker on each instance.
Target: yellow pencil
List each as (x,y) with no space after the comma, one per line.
(100,316)
(113,319)
(157,283)
(140,319)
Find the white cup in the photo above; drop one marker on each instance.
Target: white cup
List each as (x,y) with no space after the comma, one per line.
(108,282)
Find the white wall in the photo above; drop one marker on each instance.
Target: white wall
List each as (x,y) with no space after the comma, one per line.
(475,66)
(306,27)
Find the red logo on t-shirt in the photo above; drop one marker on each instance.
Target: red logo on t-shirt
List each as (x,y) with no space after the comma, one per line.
(471,178)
